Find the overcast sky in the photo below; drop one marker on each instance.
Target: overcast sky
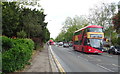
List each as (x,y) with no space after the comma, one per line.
(58,10)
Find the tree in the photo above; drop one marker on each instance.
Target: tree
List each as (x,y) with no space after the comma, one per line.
(70,31)
(26,23)
(71,25)
(34,25)
(46,35)
(60,37)
(31,22)
(116,22)
(10,20)
(77,20)
(101,15)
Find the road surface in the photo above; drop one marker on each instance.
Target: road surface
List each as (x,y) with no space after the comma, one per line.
(74,61)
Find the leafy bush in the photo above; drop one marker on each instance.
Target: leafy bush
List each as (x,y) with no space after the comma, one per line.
(18,56)
(6,43)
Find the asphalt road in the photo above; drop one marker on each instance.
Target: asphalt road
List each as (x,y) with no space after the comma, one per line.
(74,61)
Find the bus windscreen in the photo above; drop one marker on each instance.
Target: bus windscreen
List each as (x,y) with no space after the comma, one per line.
(97,43)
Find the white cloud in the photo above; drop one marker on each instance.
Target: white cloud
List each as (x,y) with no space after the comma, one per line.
(58,10)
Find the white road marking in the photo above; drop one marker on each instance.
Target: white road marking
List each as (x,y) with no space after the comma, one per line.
(69,52)
(89,56)
(104,68)
(115,65)
(82,58)
(98,60)
(94,59)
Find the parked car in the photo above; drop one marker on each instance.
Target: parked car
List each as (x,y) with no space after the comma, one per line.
(65,45)
(70,44)
(60,43)
(114,50)
(105,49)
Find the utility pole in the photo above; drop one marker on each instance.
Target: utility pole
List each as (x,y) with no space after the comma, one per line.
(119,7)
(119,34)
(119,14)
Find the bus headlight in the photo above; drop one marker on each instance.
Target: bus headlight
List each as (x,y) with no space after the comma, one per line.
(116,50)
(89,49)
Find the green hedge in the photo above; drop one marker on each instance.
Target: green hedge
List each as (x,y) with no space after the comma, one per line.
(7,43)
(18,55)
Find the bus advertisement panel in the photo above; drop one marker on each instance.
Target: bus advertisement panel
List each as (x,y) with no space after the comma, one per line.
(89,39)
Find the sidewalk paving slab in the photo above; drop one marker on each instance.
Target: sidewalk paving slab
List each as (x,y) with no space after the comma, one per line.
(40,63)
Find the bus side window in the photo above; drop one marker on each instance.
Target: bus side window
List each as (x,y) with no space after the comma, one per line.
(76,42)
(80,42)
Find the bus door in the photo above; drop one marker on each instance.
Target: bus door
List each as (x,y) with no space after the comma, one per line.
(80,45)
(76,45)
(84,43)
(83,40)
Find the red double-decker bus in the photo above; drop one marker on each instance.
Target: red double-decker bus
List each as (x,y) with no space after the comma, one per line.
(89,39)
(51,42)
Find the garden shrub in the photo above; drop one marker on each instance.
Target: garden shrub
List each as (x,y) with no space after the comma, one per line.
(18,56)
(6,43)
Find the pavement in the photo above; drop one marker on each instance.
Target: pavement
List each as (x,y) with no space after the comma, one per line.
(40,62)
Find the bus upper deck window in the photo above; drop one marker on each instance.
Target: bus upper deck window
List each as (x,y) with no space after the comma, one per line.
(95,30)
